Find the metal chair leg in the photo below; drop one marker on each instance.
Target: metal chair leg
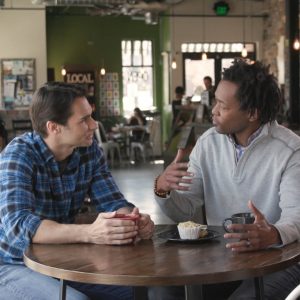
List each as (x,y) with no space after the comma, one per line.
(259,288)
(63,290)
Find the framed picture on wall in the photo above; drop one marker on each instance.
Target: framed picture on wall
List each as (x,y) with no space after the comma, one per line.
(17,82)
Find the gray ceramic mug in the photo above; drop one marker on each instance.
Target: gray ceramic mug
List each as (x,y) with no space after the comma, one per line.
(240,218)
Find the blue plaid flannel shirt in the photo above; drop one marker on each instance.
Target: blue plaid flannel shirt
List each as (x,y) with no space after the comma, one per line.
(32,189)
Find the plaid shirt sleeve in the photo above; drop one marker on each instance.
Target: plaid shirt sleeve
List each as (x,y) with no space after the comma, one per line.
(32,189)
(104,192)
(18,223)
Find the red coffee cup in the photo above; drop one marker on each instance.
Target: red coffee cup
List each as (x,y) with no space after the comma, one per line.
(132,217)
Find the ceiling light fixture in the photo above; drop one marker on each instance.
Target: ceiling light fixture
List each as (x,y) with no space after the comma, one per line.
(102,69)
(63,71)
(173,52)
(204,55)
(296,43)
(244,52)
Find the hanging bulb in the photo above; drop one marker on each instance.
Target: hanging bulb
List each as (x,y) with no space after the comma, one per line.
(204,56)
(174,64)
(102,71)
(63,71)
(244,52)
(296,44)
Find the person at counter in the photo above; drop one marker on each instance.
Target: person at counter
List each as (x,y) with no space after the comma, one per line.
(247,161)
(44,178)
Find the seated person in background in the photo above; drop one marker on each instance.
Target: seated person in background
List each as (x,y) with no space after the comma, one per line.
(176,103)
(138,119)
(246,162)
(45,176)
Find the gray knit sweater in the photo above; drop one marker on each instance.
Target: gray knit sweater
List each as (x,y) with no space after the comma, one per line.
(268,173)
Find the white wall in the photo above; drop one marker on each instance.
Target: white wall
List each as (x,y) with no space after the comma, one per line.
(217,29)
(23,35)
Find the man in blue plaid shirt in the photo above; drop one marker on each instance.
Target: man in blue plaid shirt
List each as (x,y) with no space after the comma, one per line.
(44,177)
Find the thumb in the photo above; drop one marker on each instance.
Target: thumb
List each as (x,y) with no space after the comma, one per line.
(180,155)
(107,215)
(258,215)
(135,211)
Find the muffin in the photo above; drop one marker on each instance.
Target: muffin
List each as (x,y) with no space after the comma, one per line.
(191,231)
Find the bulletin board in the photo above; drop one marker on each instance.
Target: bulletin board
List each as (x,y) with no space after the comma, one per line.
(109,95)
(18,81)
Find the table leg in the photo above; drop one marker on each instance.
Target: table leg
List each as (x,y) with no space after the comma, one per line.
(259,288)
(62,294)
(193,292)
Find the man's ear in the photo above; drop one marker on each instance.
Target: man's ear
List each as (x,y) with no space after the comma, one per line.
(253,116)
(52,127)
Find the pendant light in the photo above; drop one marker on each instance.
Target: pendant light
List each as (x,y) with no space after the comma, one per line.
(173,52)
(63,71)
(244,52)
(296,43)
(102,69)
(204,55)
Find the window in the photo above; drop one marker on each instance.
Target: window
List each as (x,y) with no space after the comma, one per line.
(137,73)
(219,56)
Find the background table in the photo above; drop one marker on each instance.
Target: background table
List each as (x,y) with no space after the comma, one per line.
(157,262)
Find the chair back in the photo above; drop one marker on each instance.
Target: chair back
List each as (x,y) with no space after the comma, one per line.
(21,126)
(100,134)
(153,129)
(103,135)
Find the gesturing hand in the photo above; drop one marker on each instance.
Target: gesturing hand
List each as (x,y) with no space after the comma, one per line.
(171,178)
(258,235)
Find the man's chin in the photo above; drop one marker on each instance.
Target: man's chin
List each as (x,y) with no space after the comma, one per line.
(87,143)
(219,130)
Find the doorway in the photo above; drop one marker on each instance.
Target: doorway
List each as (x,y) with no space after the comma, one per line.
(195,69)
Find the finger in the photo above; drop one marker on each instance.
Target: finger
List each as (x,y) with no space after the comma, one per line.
(258,215)
(178,166)
(107,215)
(241,246)
(121,225)
(119,239)
(180,155)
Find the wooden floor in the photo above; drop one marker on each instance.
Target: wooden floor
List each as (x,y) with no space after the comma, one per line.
(136,183)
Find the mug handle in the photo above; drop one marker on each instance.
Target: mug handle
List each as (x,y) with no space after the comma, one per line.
(226,222)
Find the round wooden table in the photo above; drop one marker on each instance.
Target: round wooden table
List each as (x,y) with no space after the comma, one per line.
(158,262)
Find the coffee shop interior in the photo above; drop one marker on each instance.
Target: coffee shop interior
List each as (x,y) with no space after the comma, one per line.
(134,53)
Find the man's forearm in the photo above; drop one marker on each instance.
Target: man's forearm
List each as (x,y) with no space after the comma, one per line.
(50,232)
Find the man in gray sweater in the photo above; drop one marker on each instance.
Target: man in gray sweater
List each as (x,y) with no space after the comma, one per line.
(245,162)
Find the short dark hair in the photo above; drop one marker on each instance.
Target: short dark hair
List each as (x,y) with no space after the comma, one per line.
(179,90)
(208,78)
(258,89)
(53,102)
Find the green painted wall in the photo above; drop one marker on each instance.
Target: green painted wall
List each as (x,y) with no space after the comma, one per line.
(90,40)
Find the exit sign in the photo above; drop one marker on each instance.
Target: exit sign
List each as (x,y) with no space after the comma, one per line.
(221,8)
